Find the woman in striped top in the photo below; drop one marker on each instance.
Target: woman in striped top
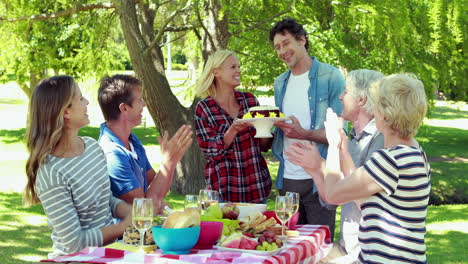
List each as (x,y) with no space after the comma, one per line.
(67,174)
(392,188)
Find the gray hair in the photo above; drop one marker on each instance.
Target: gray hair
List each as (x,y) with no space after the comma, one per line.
(359,82)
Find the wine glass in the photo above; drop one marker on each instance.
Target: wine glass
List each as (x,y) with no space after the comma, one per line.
(142,216)
(191,201)
(207,198)
(283,210)
(295,200)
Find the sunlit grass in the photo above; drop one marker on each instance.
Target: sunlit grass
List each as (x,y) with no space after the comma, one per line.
(446,239)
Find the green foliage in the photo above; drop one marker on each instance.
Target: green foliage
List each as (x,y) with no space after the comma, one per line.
(422,37)
(179,58)
(89,44)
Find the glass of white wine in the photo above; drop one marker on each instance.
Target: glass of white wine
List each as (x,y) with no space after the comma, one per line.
(207,198)
(294,203)
(191,201)
(283,210)
(142,216)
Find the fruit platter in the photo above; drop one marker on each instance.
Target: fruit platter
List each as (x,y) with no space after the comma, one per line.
(250,234)
(267,243)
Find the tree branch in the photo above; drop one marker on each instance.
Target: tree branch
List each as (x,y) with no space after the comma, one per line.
(173,40)
(254,57)
(182,28)
(262,22)
(210,38)
(159,35)
(62,13)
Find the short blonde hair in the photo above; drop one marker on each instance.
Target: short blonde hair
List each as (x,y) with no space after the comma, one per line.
(402,102)
(205,85)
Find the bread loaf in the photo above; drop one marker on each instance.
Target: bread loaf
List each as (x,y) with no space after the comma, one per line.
(190,217)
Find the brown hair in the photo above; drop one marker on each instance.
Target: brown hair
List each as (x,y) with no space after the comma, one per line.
(115,90)
(289,25)
(47,106)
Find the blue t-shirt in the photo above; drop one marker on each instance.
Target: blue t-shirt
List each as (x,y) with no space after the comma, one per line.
(126,173)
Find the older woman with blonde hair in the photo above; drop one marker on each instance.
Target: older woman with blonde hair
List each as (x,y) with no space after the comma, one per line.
(392,188)
(235,166)
(67,173)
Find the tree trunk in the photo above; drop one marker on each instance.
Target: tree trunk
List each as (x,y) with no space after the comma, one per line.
(34,78)
(165,109)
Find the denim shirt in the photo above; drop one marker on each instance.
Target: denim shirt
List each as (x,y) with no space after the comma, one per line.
(125,172)
(326,86)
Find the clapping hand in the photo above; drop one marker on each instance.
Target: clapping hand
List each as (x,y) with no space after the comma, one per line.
(333,129)
(174,149)
(305,155)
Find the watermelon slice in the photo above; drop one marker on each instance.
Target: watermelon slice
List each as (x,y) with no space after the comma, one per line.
(238,240)
(248,242)
(232,241)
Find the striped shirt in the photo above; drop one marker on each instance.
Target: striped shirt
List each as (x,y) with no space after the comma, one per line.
(76,197)
(393,225)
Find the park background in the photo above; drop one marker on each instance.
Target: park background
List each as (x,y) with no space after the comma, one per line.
(165,44)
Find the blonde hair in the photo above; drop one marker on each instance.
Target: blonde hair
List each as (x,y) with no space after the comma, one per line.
(47,106)
(205,85)
(359,82)
(402,102)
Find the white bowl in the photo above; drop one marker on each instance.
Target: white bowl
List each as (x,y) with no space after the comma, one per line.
(246,208)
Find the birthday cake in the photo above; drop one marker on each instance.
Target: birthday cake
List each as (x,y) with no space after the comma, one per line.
(263,111)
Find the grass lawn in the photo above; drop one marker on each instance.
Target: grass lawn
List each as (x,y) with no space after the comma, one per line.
(444,136)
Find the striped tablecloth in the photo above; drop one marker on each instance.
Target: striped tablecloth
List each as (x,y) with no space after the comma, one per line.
(312,244)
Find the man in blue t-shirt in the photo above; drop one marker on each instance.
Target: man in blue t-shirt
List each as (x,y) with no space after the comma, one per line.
(131,175)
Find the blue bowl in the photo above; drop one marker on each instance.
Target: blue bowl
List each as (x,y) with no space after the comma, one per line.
(176,240)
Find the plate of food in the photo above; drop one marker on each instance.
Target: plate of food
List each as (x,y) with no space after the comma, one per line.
(262,118)
(261,252)
(267,243)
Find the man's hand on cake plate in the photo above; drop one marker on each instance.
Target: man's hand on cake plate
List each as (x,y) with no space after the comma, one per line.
(291,130)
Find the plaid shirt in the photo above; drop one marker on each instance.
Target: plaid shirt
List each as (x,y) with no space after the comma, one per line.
(239,172)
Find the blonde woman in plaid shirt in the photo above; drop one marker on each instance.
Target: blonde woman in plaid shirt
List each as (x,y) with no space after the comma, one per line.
(235,166)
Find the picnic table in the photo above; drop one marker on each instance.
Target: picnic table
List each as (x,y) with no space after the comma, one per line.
(312,244)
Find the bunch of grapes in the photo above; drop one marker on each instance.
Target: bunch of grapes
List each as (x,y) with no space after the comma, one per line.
(269,241)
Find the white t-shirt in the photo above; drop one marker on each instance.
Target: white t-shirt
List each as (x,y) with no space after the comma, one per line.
(296,103)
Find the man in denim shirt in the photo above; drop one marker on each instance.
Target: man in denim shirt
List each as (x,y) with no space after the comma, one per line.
(130,172)
(303,93)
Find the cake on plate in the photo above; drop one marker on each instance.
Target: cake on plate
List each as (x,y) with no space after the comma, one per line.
(263,111)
